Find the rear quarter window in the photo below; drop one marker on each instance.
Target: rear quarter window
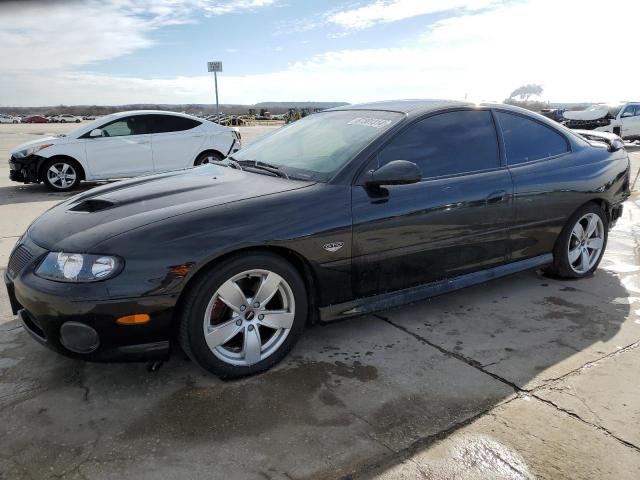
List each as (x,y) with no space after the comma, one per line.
(171,123)
(527,140)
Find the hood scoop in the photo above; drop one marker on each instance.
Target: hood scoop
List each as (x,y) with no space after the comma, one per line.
(92,205)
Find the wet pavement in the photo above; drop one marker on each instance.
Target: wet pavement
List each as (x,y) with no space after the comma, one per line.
(524,377)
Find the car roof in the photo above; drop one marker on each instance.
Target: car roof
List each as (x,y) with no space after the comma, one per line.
(146,112)
(406,106)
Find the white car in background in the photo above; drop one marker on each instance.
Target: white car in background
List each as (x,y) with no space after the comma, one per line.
(622,119)
(9,119)
(122,145)
(66,118)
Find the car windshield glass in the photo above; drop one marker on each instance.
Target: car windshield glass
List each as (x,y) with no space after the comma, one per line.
(87,127)
(614,110)
(317,146)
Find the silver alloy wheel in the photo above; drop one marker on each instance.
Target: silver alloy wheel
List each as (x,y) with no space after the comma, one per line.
(210,157)
(249,317)
(61,175)
(586,243)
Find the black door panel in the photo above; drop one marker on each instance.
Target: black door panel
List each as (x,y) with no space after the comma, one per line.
(430,230)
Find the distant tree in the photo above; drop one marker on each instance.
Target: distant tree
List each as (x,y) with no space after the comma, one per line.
(526,91)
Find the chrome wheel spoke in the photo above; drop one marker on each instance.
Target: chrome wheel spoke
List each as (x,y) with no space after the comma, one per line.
(584,260)
(578,231)
(252,349)
(230,294)
(595,243)
(268,288)
(574,254)
(592,225)
(221,334)
(277,320)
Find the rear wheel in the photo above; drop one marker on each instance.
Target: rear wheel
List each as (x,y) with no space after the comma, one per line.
(244,316)
(581,245)
(208,157)
(61,175)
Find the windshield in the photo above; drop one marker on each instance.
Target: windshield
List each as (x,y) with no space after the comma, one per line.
(87,127)
(317,146)
(614,110)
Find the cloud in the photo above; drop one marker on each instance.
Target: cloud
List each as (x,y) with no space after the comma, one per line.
(54,35)
(386,11)
(566,46)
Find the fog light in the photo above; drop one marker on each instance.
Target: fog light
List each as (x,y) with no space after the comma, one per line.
(78,337)
(134,319)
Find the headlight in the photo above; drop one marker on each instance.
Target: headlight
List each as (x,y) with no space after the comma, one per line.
(78,267)
(31,150)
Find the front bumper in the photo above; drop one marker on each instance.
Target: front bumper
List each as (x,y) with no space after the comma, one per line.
(25,169)
(62,316)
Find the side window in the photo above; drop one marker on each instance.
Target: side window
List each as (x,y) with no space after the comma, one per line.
(526,140)
(638,110)
(136,125)
(173,123)
(627,112)
(447,144)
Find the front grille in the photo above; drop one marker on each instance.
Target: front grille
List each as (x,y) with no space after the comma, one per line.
(19,259)
(587,124)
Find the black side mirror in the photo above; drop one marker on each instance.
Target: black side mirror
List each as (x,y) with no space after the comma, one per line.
(616,144)
(396,172)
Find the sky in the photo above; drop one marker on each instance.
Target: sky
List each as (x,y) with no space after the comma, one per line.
(111,52)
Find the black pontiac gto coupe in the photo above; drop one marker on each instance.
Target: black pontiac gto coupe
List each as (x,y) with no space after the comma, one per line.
(347,211)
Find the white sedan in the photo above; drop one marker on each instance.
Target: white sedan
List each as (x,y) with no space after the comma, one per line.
(9,119)
(121,145)
(66,118)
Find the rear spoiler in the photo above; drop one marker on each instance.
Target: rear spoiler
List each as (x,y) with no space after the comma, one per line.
(613,141)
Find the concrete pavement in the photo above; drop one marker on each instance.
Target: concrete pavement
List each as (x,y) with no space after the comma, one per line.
(523,377)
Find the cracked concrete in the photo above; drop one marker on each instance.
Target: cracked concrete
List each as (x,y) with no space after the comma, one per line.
(524,377)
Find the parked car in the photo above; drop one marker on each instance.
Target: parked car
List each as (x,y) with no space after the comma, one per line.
(556,114)
(622,119)
(66,118)
(121,145)
(35,119)
(9,119)
(342,213)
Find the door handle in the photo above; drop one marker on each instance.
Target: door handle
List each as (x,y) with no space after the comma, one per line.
(497,197)
(141,142)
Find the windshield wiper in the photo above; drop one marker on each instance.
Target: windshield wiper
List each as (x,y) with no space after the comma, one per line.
(234,163)
(267,167)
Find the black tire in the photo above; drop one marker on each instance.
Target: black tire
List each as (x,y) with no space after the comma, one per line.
(63,186)
(194,307)
(562,266)
(208,157)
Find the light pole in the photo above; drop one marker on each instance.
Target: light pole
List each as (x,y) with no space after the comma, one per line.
(215,67)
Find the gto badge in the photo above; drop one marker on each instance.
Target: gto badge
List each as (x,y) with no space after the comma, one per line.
(333,246)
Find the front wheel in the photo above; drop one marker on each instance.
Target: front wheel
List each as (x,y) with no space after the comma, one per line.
(208,157)
(244,316)
(581,245)
(61,175)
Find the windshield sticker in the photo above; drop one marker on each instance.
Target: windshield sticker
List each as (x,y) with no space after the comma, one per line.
(370,122)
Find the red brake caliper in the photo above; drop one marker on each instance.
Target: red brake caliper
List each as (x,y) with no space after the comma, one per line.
(217,312)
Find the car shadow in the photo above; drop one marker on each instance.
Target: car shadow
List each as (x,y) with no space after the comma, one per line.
(351,395)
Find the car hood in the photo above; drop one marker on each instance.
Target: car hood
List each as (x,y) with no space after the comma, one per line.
(39,141)
(593,114)
(101,213)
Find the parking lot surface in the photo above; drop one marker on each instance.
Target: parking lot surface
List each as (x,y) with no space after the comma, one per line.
(524,377)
